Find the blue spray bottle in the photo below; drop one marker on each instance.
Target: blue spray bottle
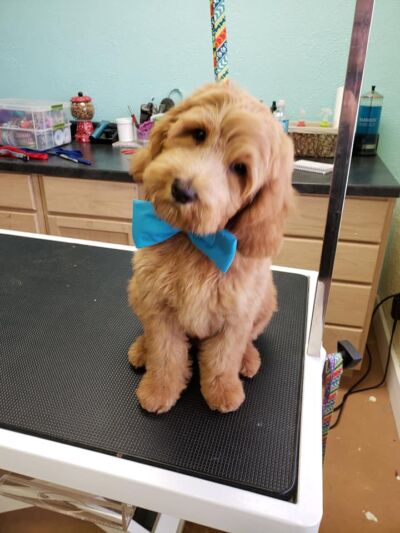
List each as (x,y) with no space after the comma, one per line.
(369,116)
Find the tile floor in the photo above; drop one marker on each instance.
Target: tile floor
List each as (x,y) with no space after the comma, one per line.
(362,462)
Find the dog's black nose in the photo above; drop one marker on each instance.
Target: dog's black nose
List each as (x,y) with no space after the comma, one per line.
(182,191)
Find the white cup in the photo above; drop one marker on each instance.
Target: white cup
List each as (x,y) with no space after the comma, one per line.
(125,129)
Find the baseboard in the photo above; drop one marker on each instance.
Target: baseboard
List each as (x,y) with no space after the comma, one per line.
(382,336)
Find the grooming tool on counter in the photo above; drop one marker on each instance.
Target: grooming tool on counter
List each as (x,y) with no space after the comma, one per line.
(75,156)
(177,92)
(313,166)
(6,152)
(133,116)
(104,133)
(101,126)
(74,160)
(146,110)
(82,110)
(19,153)
(165,105)
(129,145)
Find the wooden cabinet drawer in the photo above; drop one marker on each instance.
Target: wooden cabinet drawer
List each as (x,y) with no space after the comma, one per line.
(89,197)
(333,334)
(16,191)
(21,221)
(363,219)
(348,304)
(113,231)
(354,261)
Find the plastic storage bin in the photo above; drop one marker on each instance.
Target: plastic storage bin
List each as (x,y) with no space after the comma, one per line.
(34,124)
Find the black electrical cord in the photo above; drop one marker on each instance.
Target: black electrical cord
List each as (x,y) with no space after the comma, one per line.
(387,362)
(351,390)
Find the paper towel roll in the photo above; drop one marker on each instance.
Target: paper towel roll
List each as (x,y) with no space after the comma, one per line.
(338,106)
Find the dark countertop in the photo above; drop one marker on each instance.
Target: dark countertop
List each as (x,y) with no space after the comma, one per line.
(368,175)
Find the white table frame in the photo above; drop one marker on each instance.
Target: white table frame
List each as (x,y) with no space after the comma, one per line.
(178,495)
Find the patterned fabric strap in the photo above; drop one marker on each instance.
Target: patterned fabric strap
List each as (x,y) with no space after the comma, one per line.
(332,373)
(219,39)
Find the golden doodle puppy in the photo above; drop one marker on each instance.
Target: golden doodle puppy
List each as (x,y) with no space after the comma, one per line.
(218,160)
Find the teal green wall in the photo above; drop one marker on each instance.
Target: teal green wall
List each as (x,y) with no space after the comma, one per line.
(126,51)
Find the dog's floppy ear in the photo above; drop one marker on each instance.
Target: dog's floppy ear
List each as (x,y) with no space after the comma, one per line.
(259,227)
(145,155)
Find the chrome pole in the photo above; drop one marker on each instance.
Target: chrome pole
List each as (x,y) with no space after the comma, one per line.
(340,175)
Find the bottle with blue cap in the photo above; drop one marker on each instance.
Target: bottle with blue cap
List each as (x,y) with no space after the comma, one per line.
(369,116)
(280,115)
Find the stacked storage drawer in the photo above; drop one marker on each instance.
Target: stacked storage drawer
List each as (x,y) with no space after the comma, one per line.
(20,203)
(359,256)
(34,124)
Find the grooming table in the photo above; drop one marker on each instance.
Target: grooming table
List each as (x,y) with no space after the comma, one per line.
(69,416)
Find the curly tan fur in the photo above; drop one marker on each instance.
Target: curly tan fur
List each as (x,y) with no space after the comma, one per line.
(177,292)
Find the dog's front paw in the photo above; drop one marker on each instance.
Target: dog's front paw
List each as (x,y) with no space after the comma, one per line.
(251,361)
(224,395)
(157,396)
(136,353)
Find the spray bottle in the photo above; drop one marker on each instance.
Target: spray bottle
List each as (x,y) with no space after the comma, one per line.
(369,115)
(280,116)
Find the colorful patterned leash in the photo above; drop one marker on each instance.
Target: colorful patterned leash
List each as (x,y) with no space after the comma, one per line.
(334,362)
(219,39)
(332,373)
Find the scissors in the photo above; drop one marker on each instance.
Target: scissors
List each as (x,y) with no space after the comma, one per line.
(19,153)
(70,155)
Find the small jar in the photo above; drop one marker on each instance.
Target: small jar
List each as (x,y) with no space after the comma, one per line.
(82,107)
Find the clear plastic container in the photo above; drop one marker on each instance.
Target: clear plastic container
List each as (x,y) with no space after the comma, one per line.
(35,139)
(36,124)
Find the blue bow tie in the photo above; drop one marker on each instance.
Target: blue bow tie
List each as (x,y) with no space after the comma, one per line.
(148,229)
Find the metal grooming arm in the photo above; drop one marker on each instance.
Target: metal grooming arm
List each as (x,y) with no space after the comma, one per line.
(340,176)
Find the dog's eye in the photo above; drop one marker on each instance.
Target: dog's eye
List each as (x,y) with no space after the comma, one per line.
(199,135)
(240,169)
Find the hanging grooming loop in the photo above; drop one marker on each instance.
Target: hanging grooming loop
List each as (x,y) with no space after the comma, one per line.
(340,176)
(354,76)
(219,39)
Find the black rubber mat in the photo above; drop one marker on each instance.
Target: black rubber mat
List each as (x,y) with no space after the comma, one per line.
(65,328)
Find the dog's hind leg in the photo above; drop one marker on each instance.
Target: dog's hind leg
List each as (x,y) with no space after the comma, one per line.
(251,361)
(137,353)
(264,315)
